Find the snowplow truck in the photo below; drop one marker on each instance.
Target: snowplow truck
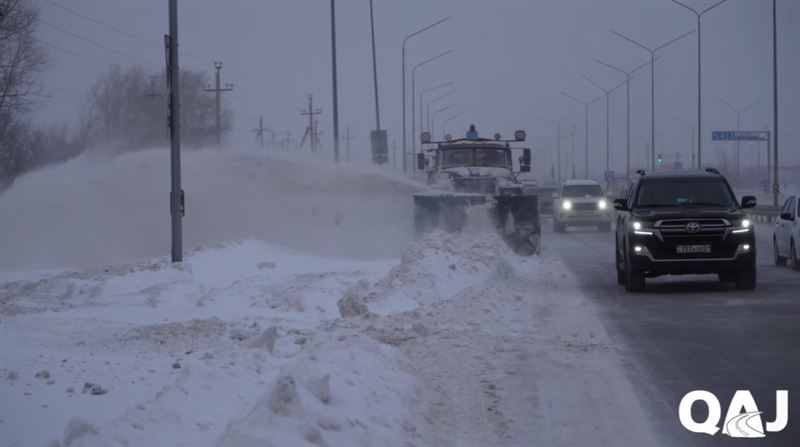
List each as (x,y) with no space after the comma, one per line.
(472,171)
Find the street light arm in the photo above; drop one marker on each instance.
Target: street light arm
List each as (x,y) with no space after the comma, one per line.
(566,116)
(547,119)
(596,84)
(574,98)
(750,106)
(613,67)
(643,65)
(453,117)
(712,7)
(425,29)
(674,40)
(632,41)
(437,87)
(689,7)
(729,106)
(440,97)
(684,123)
(429,60)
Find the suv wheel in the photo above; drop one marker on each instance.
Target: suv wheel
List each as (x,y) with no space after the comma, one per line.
(620,272)
(746,279)
(634,279)
(779,260)
(795,261)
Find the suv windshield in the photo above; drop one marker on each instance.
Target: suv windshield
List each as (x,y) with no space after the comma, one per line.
(684,192)
(582,191)
(475,157)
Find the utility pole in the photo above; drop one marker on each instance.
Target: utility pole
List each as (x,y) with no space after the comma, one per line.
(259,131)
(176,194)
(586,128)
(310,132)
(218,89)
(335,87)
(348,138)
(776,186)
(652,52)
(699,15)
(628,110)
(403,76)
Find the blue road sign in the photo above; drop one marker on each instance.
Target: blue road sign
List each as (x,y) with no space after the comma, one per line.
(764,184)
(609,175)
(739,135)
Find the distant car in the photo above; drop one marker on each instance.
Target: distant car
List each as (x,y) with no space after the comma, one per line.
(581,203)
(684,222)
(786,235)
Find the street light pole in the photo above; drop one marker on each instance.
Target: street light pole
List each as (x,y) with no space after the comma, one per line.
(374,68)
(413,94)
(428,110)
(692,139)
(335,87)
(738,127)
(586,128)
(628,108)
(444,124)
(403,76)
(699,14)
(433,115)
(558,137)
(422,93)
(652,52)
(176,193)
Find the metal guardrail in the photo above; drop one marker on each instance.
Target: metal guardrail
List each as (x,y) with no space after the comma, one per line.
(762,213)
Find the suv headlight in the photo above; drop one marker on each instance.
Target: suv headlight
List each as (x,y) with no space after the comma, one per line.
(744,226)
(641,228)
(567,205)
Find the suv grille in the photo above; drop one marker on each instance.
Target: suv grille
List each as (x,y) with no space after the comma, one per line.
(591,206)
(683,228)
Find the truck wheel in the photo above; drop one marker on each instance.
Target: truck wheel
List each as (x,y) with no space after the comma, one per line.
(634,279)
(620,272)
(779,260)
(746,279)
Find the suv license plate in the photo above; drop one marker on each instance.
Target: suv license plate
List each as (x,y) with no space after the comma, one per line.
(693,248)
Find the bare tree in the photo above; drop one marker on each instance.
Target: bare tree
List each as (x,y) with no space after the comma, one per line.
(21,59)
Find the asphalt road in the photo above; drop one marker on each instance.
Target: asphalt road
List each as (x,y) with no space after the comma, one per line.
(693,333)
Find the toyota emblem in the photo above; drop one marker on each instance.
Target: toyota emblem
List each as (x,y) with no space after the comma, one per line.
(693,227)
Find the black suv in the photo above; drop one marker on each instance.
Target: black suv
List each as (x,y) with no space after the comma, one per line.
(677,223)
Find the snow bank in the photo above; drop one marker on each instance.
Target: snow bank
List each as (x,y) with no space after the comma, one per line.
(92,211)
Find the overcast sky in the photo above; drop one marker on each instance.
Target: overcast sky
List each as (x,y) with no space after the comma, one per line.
(511,61)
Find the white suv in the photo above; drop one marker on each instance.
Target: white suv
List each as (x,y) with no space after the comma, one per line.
(786,235)
(581,203)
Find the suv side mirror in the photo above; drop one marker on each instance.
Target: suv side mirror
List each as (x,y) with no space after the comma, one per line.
(786,216)
(621,204)
(420,161)
(749,201)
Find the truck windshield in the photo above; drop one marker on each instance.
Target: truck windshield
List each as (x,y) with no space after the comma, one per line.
(475,157)
(684,192)
(582,191)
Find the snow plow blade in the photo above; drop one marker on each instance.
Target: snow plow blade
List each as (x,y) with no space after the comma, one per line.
(516,217)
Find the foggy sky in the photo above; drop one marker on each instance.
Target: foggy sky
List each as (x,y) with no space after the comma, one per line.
(511,62)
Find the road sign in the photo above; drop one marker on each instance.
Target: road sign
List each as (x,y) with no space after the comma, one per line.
(609,176)
(764,184)
(739,135)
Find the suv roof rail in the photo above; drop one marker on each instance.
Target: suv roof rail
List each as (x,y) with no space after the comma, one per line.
(712,171)
(640,171)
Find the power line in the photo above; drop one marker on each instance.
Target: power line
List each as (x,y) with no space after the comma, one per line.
(96,43)
(74,52)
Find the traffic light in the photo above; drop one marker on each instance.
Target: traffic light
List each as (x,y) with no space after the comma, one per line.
(660,159)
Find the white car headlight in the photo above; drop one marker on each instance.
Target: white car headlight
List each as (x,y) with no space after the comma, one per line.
(745,227)
(638,229)
(602,204)
(637,225)
(745,223)
(567,205)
